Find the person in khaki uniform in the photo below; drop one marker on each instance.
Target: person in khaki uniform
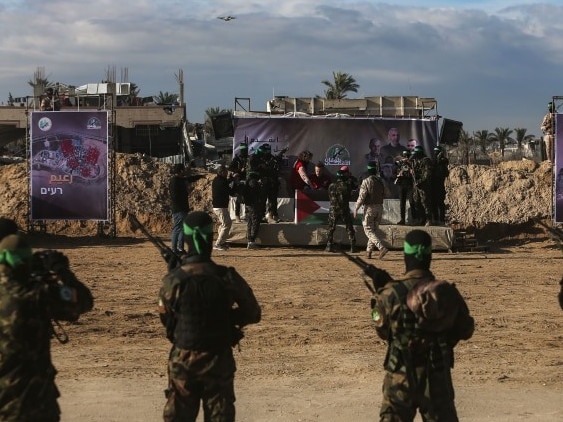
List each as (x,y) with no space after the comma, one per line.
(372,191)
(547,127)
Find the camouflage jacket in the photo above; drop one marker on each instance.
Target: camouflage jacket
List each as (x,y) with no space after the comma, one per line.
(372,191)
(339,194)
(547,124)
(408,341)
(440,170)
(242,306)
(422,169)
(238,166)
(27,375)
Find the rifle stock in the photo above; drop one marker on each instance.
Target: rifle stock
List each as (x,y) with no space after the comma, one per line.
(378,276)
(168,254)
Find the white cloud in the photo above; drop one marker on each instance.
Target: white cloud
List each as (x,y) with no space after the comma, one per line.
(488,63)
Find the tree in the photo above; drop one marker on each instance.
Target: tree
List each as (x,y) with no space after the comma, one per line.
(10,99)
(339,86)
(166,98)
(483,138)
(502,136)
(521,137)
(209,113)
(463,146)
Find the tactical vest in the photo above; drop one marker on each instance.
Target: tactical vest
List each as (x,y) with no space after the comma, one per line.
(202,310)
(412,346)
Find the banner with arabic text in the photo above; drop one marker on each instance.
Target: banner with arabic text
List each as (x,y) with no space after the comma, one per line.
(69,165)
(558,191)
(336,141)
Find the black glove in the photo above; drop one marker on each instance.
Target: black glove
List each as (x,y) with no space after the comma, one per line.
(172,261)
(49,260)
(378,276)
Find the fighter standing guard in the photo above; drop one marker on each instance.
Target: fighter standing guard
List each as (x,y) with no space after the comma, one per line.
(35,289)
(238,169)
(547,127)
(339,194)
(422,319)
(422,189)
(269,174)
(405,181)
(204,307)
(254,203)
(440,172)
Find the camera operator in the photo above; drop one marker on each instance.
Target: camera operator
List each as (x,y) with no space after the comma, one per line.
(405,181)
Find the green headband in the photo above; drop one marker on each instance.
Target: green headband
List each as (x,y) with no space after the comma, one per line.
(198,232)
(15,257)
(419,251)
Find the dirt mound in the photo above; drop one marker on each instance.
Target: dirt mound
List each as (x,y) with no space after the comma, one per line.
(512,193)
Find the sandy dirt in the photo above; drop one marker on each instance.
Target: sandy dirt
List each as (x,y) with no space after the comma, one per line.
(315,355)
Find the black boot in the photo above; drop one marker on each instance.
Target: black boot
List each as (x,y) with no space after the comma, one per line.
(352,245)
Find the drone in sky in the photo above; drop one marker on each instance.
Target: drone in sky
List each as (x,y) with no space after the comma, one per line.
(226,18)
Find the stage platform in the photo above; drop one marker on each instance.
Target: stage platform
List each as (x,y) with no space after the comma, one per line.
(290,234)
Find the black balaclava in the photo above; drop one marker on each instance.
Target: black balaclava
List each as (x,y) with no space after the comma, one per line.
(198,231)
(7,227)
(417,250)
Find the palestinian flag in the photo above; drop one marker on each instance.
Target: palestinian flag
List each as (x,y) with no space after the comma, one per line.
(311,211)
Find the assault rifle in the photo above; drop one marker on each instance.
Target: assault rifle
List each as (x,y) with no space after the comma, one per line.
(378,276)
(170,257)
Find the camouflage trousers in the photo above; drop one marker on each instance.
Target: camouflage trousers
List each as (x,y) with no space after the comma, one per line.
(423,204)
(549,143)
(28,392)
(344,215)
(372,218)
(196,377)
(254,216)
(432,394)
(438,198)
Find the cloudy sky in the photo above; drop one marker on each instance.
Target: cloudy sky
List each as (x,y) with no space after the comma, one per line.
(489,63)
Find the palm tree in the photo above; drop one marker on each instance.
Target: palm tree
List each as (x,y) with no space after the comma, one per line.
(521,137)
(209,113)
(502,136)
(483,138)
(340,85)
(463,146)
(166,98)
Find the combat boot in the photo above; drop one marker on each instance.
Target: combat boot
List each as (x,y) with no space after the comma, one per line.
(369,253)
(352,245)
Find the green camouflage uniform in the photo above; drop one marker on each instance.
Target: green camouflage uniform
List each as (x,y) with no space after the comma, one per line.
(28,392)
(422,189)
(439,175)
(201,366)
(339,194)
(418,361)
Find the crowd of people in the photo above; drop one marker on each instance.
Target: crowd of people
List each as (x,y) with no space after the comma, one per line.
(397,171)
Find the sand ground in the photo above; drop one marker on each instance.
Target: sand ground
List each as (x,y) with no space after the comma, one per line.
(315,355)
